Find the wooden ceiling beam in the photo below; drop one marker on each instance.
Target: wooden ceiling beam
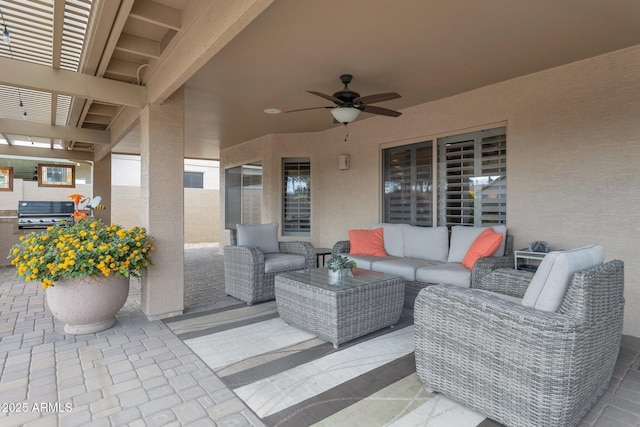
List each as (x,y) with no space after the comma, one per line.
(139,46)
(157,14)
(20,150)
(43,78)
(43,130)
(7,138)
(123,68)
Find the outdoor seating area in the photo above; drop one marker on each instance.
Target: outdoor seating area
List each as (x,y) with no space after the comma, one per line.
(563,321)
(142,371)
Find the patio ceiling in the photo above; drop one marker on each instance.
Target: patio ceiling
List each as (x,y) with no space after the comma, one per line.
(79,66)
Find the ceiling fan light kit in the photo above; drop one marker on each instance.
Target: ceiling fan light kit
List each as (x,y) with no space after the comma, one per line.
(345,115)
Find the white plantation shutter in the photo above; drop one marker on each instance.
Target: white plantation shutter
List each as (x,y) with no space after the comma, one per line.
(408,186)
(493,195)
(472,178)
(296,197)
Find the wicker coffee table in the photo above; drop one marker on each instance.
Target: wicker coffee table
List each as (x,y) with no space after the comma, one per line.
(351,308)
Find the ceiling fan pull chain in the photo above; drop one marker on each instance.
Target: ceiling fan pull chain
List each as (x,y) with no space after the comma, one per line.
(346,132)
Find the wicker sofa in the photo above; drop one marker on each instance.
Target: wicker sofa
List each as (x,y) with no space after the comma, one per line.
(541,355)
(424,256)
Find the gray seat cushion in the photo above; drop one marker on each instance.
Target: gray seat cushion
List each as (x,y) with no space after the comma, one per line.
(551,280)
(404,267)
(451,273)
(275,262)
(264,236)
(365,261)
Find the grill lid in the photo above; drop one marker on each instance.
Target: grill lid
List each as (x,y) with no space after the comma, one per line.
(45,208)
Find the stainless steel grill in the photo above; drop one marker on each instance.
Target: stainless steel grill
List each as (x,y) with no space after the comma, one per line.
(42,214)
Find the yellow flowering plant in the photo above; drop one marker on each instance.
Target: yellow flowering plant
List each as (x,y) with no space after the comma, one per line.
(87,248)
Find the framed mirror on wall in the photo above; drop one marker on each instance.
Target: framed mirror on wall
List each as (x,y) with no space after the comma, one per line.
(52,175)
(6,178)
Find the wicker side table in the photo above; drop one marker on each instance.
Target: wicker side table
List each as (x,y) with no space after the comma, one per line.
(354,307)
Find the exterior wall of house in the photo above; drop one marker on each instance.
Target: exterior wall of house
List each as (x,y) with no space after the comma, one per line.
(573,150)
(201,205)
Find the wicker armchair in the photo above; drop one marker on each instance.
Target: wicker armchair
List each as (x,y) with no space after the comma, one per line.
(516,364)
(249,270)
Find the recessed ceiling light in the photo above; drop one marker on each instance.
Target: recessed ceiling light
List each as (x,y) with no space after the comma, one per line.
(273,111)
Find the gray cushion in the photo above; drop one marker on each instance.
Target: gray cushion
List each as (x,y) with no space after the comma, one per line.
(451,273)
(551,280)
(274,262)
(264,236)
(404,267)
(364,261)
(430,243)
(393,238)
(463,236)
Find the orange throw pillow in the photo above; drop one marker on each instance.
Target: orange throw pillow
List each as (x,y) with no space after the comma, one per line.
(486,244)
(367,242)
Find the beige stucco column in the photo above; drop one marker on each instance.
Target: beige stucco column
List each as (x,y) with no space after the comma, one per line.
(162,193)
(102,187)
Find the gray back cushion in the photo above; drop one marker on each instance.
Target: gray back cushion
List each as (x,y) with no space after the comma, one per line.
(429,243)
(462,237)
(393,238)
(551,280)
(264,236)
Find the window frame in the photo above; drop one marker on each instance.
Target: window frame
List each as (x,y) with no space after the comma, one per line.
(189,180)
(488,166)
(70,183)
(289,207)
(7,172)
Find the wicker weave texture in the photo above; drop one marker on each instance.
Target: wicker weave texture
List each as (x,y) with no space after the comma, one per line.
(517,365)
(339,314)
(244,276)
(506,281)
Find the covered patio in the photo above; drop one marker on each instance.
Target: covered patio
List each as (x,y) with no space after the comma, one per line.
(141,372)
(167,80)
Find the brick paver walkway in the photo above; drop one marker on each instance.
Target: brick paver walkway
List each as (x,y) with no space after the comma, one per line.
(137,373)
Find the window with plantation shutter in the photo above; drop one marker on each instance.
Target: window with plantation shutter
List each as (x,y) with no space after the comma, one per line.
(472,178)
(296,197)
(408,184)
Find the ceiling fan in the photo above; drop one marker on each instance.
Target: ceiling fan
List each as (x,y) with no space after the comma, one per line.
(349,104)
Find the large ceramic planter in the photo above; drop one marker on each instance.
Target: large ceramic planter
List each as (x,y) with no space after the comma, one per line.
(87,304)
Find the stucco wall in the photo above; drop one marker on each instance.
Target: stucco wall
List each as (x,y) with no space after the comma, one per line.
(201,214)
(573,150)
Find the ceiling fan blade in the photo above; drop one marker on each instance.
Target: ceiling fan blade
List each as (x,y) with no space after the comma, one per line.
(379,97)
(305,109)
(379,110)
(325,96)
